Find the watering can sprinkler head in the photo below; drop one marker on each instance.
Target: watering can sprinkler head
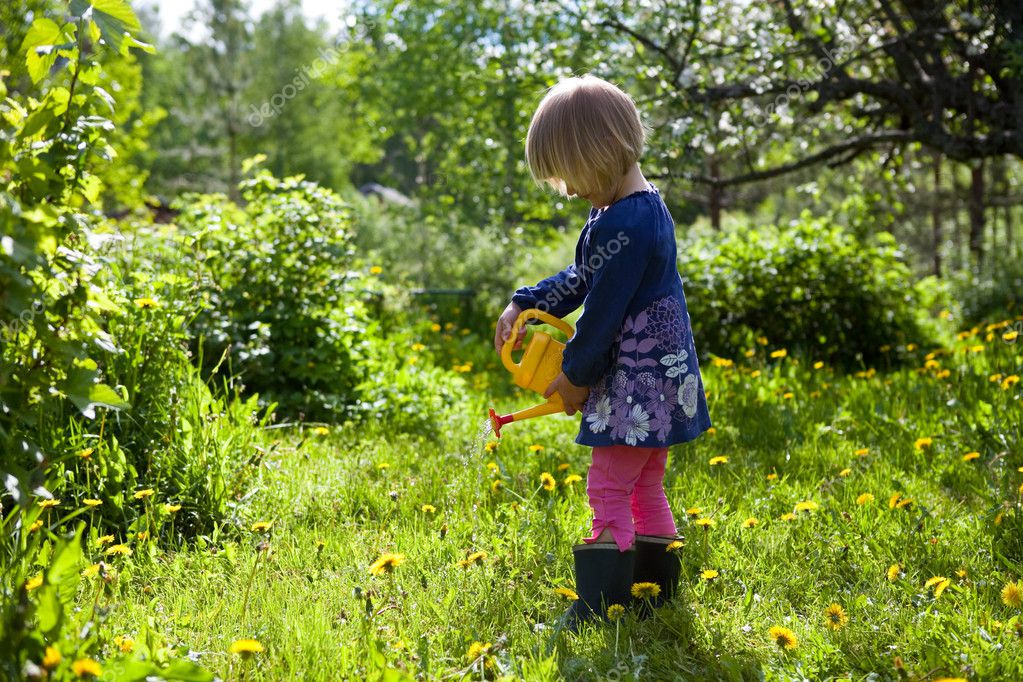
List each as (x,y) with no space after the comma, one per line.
(539,366)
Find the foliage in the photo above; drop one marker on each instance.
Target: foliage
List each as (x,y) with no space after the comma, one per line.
(994,292)
(809,287)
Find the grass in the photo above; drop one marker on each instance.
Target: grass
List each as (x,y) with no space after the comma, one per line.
(803,447)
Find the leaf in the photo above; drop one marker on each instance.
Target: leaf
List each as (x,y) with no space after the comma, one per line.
(39,47)
(115,19)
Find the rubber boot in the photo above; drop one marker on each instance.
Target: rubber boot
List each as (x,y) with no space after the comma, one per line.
(655,564)
(603,576)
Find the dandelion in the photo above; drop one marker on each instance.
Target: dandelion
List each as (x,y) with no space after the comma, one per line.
(818,365)
(674,546)
(386,563)
(694,511)
(383,465)
(865,498)
(921,443)
(87,452)
(835,617)
(995,378)
(894,499)
(755,373)
(645,590)
(970,456)
(51,659)
(536,448)
(904,502)
(122,550)
(862,452)
(780,353)
(772,477)
(474,558)
(146,303)
(125,644)
(572,478)
(547,481)
(615,612)
(563,466)
(90,571)
(418,347)
(428,509)
(751,522)
(33,582)
(375,270)
(245,647)
(704,523)
(321,431)
(143,494)
(1012,595)
(171,508)
(787,517)
(89,502)
(435,327)
(104,540)
(808,505)
(783,637)
(496,485)
(893,572)
(1010,336)
(1010,381)
(788,396)
(709,574)
(711,431)
(720,459)
(480,650)
(566,593)
(261,526)
(48,504)
(36,525)
(86,667)
(845,472)
(939,583)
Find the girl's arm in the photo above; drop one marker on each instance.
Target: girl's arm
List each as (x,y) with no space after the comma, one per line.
(619,251)
(558,295)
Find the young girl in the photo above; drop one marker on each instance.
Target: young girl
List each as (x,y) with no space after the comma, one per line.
(631,366)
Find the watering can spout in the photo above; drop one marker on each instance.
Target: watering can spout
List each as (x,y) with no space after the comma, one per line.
(539,366)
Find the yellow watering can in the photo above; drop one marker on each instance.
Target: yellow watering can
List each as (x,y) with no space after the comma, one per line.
(539,366)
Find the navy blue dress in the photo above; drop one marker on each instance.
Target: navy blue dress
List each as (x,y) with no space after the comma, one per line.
(633,344)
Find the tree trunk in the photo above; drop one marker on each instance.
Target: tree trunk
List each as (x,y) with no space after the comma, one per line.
(976,210)
(936,213)
(714,195)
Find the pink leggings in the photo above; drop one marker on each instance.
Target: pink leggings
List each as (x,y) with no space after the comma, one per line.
(626,490)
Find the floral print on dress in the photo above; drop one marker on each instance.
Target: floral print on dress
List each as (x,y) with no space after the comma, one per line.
(652,386)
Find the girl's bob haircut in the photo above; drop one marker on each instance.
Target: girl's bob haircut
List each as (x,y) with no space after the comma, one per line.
(586,133)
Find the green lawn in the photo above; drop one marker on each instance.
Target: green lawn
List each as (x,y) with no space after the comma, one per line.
(792,434)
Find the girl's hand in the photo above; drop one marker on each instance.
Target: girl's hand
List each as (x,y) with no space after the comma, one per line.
(504,326)
(573,396)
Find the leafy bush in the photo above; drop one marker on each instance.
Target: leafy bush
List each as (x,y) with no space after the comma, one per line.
(808,287)
(994,293)
(280,312)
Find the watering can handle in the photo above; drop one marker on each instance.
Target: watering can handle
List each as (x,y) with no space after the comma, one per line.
(524,316)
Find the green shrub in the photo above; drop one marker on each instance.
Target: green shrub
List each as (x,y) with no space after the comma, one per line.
(994,293)
(810,287)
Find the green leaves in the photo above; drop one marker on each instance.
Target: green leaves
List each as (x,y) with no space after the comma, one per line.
(43,43)
(116,21)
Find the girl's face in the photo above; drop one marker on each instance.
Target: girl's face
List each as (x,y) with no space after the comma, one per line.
(597,199)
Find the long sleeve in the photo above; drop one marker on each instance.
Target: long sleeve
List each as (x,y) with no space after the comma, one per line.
(619,250)
(558,295)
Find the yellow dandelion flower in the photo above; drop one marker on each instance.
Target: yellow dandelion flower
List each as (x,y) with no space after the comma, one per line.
(48,504)
(995,378)
(33,582)
(721,362)
(865,498)
(808,505)
(835,617)
(755,373)
(921,443)
(144,535)
(143,494)
(969,456)
(51,659)
(428,509)
(87,452)
(496,485)
(904,502)
(104,540)
(709,574)
(383,465)
(125,644)
(788,396)
(750,353)
(819,364)
(572,478)
(704,523)
(435,327)
(787,517)
(674,546)
(845,472)
(750,522)
(375,270)
(772,477)
(893,572)
(547,481)
(762,340)
(245,647)
(566,593)
(480,650)
(645,590)
(171,508)
(493,467)
(90,571)
(261,526)
(694,511)
(563,466)
(1012,595)
(1010,336)
(386,563)
(474,558)
(1010,381)
(321,431)
(939,583)
(418,347)
(36,525)
(146,303)
(720,459)
(979,348)
(615,612)
(943,374)
(86,667)
(536,448)
(711,431)
(862,452)
(783,637)
(894,499)
(89,502)
(122,550)
(780,353)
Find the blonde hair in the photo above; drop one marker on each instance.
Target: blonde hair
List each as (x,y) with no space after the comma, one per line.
(586,133)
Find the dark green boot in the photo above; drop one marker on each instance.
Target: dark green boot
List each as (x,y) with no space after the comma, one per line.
(656,564)
(603,576)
